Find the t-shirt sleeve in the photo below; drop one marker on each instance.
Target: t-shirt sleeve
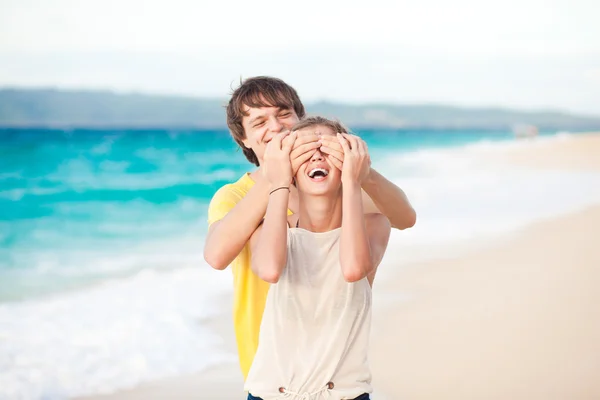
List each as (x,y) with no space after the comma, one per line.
(222,202)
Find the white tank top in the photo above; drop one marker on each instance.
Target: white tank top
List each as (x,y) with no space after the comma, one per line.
(315,329)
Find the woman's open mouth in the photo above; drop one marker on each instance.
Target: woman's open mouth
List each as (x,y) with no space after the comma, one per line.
(318,174)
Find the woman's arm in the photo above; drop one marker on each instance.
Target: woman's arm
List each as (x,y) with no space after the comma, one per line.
(355,250)
(363,238)
(269,242)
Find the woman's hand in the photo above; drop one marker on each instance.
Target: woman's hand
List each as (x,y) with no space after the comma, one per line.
(333,150)
(277,167)
(304,147)
(357,162)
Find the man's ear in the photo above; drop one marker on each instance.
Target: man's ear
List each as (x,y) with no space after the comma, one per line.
(246,143)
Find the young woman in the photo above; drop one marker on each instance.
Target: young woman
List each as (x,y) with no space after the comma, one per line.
(321,263)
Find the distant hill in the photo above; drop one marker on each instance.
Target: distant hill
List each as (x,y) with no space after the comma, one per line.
(48,107)
(62,108)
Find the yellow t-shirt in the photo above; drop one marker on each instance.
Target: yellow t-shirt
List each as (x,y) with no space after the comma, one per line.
(249,291)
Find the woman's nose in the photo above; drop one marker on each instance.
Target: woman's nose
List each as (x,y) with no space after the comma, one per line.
(318,156)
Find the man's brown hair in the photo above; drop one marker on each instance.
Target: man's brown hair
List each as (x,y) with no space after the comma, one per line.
(259,91)
(309,122)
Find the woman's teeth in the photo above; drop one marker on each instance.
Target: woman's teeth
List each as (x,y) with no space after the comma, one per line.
(318,171)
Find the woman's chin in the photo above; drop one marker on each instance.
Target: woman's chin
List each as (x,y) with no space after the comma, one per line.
(321,190)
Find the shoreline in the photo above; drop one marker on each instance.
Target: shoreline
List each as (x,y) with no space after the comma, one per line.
(222,380)
(571,152)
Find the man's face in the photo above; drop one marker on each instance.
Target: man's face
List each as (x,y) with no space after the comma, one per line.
(263,123)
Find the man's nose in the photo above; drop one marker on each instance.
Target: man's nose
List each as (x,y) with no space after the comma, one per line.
(275,125)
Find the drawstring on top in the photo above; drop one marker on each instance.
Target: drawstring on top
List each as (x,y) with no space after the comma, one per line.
(307,395)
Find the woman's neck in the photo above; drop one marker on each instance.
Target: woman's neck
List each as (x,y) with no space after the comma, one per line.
(320,213)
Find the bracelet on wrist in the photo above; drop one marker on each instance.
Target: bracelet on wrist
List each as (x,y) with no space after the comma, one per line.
(279,188)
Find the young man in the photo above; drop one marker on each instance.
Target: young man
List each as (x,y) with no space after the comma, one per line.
(259,109)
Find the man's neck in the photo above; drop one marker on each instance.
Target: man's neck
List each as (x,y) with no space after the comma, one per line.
(320,213)
(256,174)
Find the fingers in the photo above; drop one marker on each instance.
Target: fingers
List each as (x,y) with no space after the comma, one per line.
(357,145)
(303,148)
(303,138)
(339,164)
(301,159)
(277,139)
(361,146)
(331,142)
(288,141)
(353,140)
(334,153)
(344,143)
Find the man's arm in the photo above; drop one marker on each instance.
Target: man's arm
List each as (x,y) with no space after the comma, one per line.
(388,199)
(227,237)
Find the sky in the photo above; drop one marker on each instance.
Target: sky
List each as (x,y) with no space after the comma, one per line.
(526,54)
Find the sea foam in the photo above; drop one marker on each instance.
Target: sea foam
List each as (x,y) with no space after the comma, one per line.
(111,336)
(460,196)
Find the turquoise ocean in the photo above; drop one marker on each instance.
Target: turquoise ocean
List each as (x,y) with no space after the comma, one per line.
(102,279)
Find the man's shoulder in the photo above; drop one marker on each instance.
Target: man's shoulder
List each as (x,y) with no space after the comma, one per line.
(227,197)
(234,190)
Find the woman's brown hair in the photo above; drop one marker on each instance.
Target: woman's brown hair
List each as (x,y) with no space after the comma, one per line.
(308,122)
